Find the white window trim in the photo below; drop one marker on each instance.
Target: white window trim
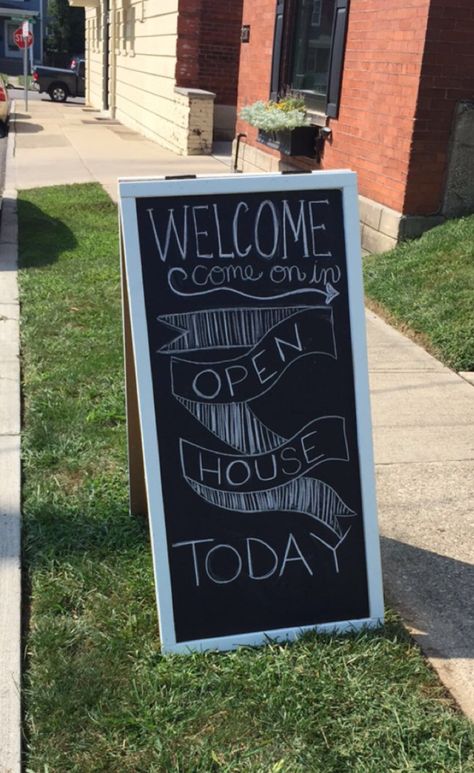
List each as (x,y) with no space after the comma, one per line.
(9,52)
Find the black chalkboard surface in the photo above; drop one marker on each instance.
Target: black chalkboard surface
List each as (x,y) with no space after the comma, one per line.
(245,300)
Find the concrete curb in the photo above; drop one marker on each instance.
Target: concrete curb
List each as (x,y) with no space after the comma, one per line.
(10,491)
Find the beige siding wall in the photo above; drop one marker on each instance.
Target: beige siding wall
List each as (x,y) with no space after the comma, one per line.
(142,65)
(142,59)
(145,61)
(94,57)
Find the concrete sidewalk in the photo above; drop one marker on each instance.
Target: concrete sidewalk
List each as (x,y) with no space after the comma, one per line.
(423,421)
(423,413)
(57,144)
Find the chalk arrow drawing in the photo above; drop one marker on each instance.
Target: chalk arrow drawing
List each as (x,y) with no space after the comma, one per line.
(176,274)
(331,293)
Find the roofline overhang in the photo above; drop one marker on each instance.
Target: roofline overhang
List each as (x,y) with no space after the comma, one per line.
(15,12)
(84,3)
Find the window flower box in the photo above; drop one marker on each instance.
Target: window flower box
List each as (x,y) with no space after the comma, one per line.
(283,125)
(291,142)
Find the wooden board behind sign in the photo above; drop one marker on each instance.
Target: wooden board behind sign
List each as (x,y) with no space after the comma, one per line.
(136,470)
(244,300)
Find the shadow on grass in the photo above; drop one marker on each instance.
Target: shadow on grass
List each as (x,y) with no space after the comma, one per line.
(434,594)
(51,237)
(57,534)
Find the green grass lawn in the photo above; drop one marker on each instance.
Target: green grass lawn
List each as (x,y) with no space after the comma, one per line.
(426,286)
(98,694)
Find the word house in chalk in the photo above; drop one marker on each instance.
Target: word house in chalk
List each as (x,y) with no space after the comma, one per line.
(248,334)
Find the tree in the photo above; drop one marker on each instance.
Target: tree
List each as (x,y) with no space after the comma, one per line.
(66,28)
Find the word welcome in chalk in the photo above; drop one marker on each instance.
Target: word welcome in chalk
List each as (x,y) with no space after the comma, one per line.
(255,560)
(204,232)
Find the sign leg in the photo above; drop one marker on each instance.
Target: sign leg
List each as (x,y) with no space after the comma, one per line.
(137,491)
(25,75)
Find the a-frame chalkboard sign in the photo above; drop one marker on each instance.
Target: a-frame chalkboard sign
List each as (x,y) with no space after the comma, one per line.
(246,362)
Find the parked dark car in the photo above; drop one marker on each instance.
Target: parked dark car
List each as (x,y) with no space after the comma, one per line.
(61,84)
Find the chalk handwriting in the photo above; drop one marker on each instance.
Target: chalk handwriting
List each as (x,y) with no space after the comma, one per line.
(193,231)
(271,475)
(242,279)
(321,440)
(252,558)
(309,331)
(256,560)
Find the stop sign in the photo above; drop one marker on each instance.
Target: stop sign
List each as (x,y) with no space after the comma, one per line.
(21,41)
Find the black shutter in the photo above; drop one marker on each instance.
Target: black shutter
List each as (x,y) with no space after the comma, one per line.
(337,57)
(276,56)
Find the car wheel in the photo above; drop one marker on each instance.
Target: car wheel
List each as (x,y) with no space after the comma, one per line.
(3,129)
(58,92)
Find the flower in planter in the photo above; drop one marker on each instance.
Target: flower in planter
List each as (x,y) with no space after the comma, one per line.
(287,114)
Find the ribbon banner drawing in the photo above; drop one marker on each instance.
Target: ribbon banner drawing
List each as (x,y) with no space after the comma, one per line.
(269,473)
(319,441)
(244,378)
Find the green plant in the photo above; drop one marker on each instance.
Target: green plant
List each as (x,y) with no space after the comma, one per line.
(286,114)
(426,286)
(21,80)
(66,27)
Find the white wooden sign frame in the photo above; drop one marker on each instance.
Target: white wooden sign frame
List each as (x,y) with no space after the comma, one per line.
(134,314)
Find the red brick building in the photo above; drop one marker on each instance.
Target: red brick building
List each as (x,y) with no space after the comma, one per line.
(207,52)
(166,68)
(389,86)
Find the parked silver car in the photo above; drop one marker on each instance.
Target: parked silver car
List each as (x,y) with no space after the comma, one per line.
(4,108)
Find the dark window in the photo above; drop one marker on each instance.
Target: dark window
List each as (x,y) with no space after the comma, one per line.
(312,37)
(308,51)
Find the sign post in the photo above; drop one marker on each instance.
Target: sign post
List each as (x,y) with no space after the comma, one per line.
(244,315)
(24,39)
